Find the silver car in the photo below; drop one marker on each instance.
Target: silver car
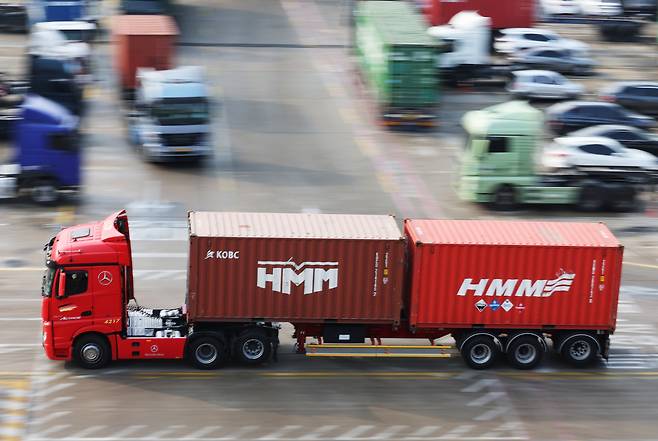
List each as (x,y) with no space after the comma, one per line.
(543,84)
(555,59)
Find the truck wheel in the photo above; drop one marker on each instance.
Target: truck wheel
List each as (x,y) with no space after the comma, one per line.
(253,347)
(207,353)
(580,350)
(623,200)
(525,352)
(44,192)
(91,352)
(591,198)
(505,198)
(480,352)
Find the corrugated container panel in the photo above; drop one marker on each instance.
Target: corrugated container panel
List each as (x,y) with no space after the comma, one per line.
(503,13)
(391,39)
(294,268)
(142,41)
(508,274)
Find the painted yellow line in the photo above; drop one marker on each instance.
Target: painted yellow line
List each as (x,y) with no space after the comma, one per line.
(348,346)
(641,265)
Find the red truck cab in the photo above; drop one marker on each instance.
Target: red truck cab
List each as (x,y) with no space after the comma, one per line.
(86,288)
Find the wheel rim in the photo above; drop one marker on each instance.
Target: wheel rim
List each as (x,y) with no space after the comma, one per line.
(206,353)
(253,349)
(580,350)
(525,353)
(43,193)
(481,353)
(91,352)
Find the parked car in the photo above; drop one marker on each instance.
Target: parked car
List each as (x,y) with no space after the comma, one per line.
(630,137)
(555,59)
(516,39)
(640,96)
(600,7)
(587,152)
(13,17)
(573,115)
(559,7)
(543,84)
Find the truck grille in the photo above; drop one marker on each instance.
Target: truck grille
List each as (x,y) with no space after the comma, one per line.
(181,139)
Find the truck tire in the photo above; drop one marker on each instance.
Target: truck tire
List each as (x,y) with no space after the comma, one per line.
(591,198)
(44,192)
(525,351)
(253,347)
(206,353)
(91,352)
(623,200)
(579,350)
(479,352)
(505,198)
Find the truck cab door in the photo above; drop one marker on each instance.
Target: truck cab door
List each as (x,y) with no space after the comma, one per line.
(72,307)
(500,159)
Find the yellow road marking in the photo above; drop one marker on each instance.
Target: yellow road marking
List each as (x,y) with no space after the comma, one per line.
(380,355)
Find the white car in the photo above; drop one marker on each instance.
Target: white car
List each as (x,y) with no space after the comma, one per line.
(559,7)
(589,152)
(600,7)
(543,84)
(513,40)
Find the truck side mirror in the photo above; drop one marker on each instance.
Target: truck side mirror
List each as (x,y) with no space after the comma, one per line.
(479,147)
(61,286)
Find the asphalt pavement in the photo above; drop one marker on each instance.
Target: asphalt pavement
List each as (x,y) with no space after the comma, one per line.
(294,131)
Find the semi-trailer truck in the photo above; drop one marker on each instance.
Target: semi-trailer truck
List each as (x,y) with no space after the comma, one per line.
(498,287)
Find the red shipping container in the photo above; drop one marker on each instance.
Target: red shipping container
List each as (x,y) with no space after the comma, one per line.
(142,41)
(294,268)
(513,274)
(503,13)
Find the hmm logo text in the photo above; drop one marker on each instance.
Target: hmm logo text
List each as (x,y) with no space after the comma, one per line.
(282,275)
(516,287)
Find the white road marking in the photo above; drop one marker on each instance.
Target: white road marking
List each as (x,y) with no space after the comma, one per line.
(43,433)
(317,433)
(50,390)
(49,417)
(202,432)
(278,434)
(423,432)
(88,431)
(458,431)
(354,433)
(480,385)
(123,433)
(486,398)
(491,414)
(161,434)
(55,401)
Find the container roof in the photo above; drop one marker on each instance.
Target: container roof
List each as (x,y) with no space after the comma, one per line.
(397,22)
(293,225)
(143,25)
(520,233)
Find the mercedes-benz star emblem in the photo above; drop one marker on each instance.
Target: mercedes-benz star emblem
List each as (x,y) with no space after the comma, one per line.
(104,278)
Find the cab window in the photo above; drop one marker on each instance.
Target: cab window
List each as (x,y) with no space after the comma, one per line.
(76,282)
(497,144)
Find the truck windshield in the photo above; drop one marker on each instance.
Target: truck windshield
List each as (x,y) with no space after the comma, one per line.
(47,282)
(181,112)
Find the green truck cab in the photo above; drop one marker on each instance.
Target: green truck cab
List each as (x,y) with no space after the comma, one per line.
(499,166)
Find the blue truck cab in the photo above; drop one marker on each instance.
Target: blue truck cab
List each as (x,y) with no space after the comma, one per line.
(47,158)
